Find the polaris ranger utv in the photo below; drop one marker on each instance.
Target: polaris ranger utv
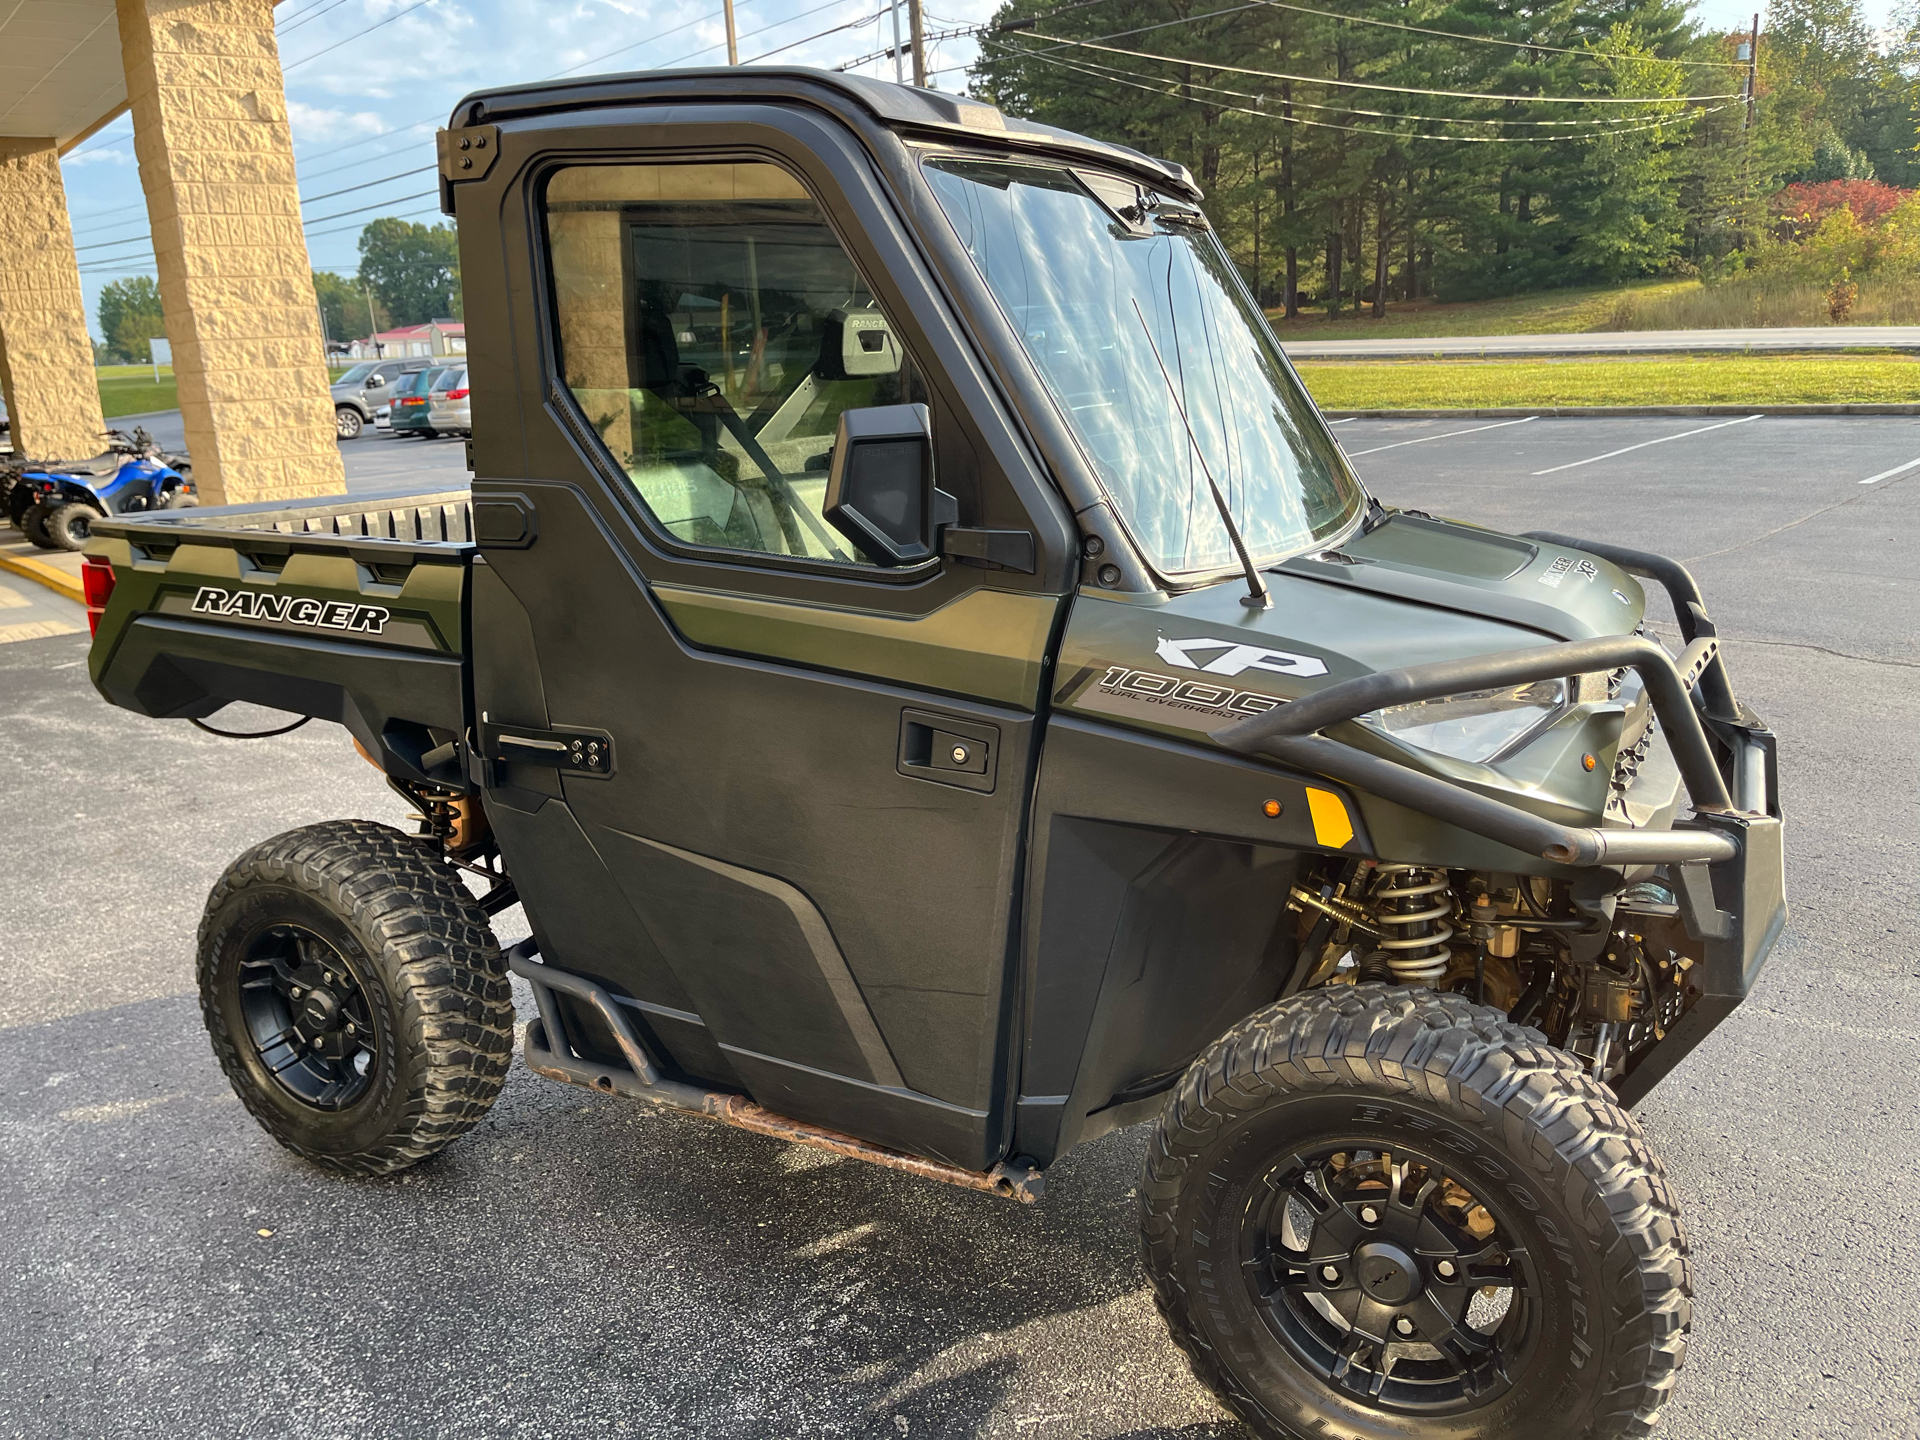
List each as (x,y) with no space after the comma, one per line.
(941,693)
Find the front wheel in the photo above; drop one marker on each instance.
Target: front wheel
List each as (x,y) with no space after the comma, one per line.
(347,422)
(69,526)
(354,995)
(1375,1210)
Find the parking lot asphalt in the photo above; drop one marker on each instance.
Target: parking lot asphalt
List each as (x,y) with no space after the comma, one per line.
(578,1267)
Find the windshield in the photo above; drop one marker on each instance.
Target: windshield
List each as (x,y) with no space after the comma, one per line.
(1084,285)
(358,372)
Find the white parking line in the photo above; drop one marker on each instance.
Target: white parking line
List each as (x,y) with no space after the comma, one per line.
(1421,440)
(1592,459)
(1889,474)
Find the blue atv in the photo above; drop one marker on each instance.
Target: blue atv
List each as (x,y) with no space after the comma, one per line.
(56,502)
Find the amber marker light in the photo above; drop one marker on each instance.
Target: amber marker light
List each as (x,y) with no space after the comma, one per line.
(1271,809)
(1587,762)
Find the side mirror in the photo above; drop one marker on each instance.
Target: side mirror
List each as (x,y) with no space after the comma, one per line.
(880,491)
(374,382)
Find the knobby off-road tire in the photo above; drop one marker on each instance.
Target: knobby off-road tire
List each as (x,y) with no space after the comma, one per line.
(69,527)
(1386,1084)
(355,996)
(33,524)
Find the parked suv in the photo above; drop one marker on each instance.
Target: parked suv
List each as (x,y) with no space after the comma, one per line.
(449,411)
(365,389)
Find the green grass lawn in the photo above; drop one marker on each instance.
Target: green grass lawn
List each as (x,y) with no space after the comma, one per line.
(130,390)
(1556,312)
(1690,380)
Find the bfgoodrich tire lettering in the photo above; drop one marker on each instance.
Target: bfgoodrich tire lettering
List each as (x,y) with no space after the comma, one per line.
(1579,1199)
(410,956)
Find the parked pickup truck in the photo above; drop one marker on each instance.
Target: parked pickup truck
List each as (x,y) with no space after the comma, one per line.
(941,692)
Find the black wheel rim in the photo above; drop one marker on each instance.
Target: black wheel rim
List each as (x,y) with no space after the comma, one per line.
(1390,1279)
(309,1018)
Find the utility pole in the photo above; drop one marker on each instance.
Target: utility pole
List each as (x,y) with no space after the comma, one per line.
(899,76)
(733,39)
(917,26)
(373,325)
(1752,57)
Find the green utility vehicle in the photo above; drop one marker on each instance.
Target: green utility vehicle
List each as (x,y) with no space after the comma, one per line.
(941,693)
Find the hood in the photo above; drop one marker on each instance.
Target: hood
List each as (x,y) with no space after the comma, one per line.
(1412,590)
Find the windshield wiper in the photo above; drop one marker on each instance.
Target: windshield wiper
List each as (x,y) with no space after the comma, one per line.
(1256,595)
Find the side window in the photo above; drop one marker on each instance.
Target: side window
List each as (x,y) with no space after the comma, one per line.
(712,329)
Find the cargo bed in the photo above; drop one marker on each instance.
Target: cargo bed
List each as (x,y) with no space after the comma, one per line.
(334,608)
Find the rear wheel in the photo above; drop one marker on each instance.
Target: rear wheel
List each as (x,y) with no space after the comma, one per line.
(34,524)
(19,501)
(347,422)
(355,996)
(1378,1209)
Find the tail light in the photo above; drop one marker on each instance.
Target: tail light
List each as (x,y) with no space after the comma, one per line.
(459,394)
(96,584)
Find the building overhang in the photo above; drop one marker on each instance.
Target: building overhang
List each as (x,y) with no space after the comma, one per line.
(60,70)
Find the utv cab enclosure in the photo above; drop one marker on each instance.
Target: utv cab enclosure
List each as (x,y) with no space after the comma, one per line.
(940,692)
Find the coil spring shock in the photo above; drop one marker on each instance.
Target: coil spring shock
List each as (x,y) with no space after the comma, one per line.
(1411,904)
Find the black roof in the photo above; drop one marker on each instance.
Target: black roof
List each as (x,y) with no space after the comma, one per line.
(898,107)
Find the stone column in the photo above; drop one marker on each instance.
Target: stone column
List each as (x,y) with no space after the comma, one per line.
(216,162)
(46,359)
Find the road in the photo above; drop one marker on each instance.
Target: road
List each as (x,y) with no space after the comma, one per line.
(579,1268)
(1617,342)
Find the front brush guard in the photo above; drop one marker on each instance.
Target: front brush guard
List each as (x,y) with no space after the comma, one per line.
(1726,861)
(1287,733)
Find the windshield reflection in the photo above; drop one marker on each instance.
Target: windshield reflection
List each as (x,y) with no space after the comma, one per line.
(1069,272)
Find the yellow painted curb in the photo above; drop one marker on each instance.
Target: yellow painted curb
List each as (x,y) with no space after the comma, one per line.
(51,576)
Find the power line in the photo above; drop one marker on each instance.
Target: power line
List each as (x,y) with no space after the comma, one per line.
(380,205)
(795,44)
(398,15)
(410,215)
(404,174)
(1388,89)
(1156,88)
(310,13)
(960,30)
(1491,40)
(1090,67)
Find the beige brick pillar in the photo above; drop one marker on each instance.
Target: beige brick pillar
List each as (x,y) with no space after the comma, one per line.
(46,359)
(216,162)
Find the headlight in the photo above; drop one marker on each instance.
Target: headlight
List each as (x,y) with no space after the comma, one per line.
(1475,725)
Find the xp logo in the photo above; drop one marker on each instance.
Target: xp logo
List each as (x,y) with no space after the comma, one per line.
(1237,658)
(291,609)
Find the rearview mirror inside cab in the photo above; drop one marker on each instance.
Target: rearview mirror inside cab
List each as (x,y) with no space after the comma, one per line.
(880,491)
(867,346)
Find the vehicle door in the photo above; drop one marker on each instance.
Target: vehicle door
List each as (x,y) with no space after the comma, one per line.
(797,853)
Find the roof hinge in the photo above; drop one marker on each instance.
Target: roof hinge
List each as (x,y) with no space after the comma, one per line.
(465,154)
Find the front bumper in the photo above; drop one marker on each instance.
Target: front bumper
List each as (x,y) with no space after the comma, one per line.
(1725,861)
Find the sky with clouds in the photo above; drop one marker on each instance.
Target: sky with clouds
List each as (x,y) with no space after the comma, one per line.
(368,81)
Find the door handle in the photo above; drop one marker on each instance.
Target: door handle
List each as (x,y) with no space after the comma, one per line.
(948,750)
